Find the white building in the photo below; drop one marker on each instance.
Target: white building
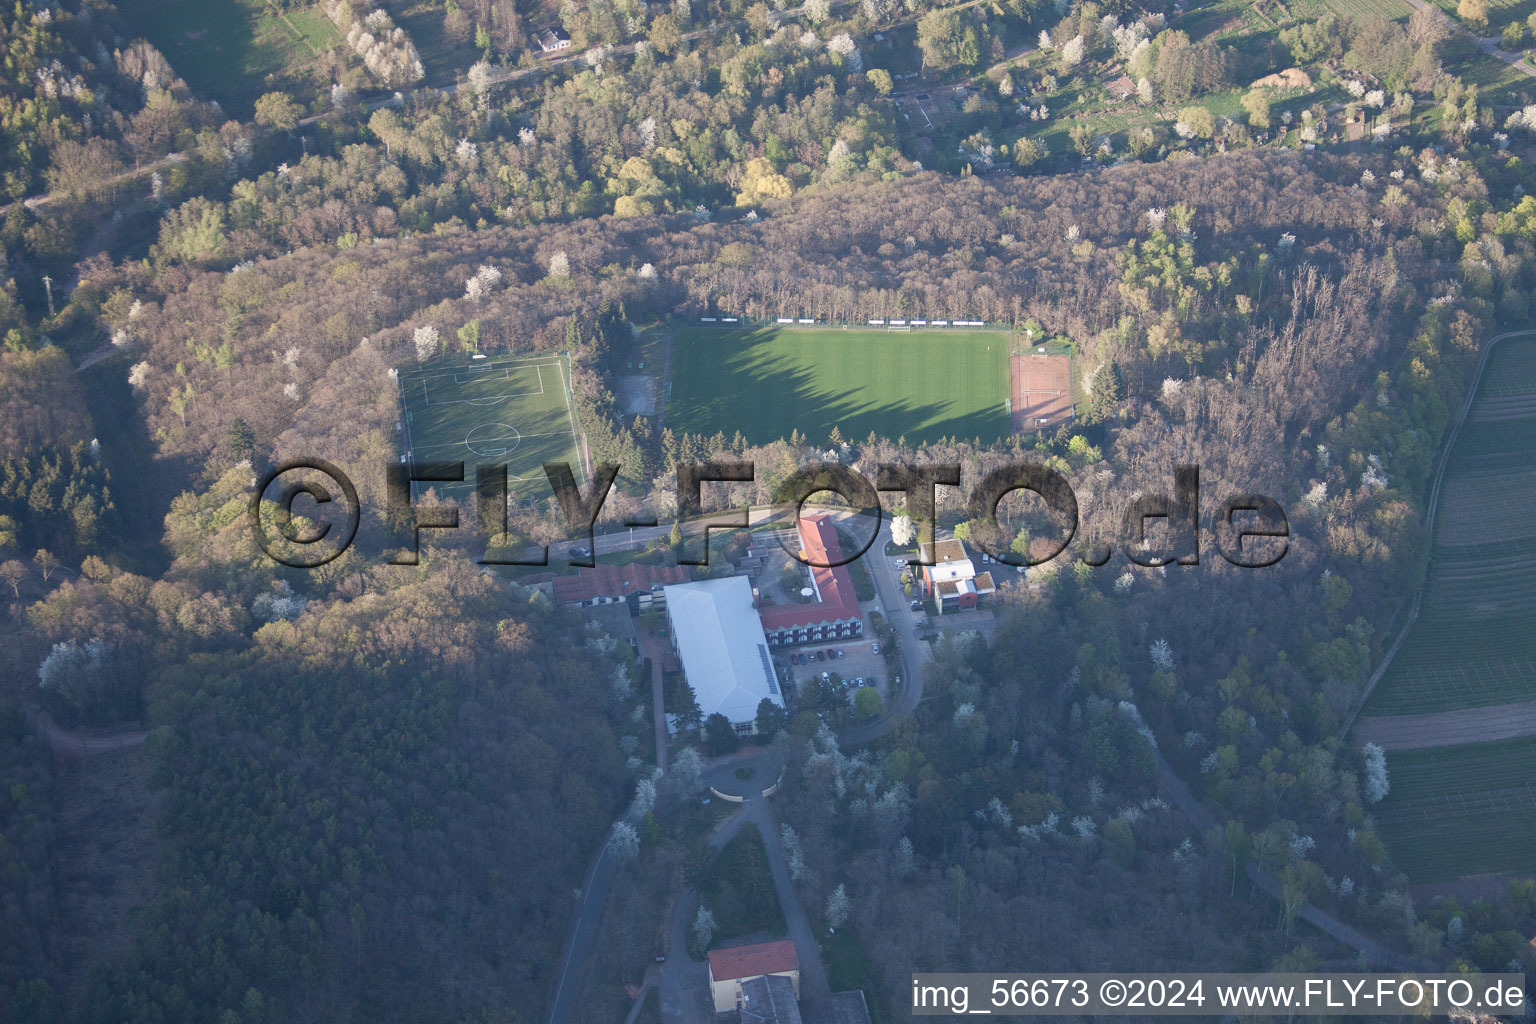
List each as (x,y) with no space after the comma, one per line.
(552,40)
(720,643)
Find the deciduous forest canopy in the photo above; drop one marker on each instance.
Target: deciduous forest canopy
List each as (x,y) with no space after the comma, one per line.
(239,792)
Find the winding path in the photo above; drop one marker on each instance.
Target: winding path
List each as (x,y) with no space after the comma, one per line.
(1378,954)
(73,743)
(681,975)
(1488,46)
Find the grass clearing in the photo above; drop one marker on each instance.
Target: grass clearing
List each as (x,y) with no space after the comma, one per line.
(500,410)
(739,891)
(1461,811)
(442,57)
(233,50)
(766,382)
(317,30)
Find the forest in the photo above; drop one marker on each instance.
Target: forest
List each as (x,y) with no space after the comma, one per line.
(371,789)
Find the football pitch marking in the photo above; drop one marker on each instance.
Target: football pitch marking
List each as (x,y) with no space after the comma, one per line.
(492,439)
(504,410)
(473,376)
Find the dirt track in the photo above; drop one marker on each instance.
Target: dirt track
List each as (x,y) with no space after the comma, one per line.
(66,743)
(1449,728)
(1040,391)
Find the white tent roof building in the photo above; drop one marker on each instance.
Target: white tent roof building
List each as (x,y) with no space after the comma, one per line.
(720,642)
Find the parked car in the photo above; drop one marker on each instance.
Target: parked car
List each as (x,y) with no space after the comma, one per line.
(821,655)
(839,652)
(874,648)
(917,606)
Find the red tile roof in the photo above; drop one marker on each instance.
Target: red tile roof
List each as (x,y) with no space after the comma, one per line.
(797,616)
(753,961)
(839,603)
(614,581)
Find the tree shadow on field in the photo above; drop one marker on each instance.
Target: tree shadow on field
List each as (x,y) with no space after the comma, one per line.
(767,396)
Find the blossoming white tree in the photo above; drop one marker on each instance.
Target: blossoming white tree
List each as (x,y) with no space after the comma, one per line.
(838,906)
(843,46)
(1072,53)
(625,843)
(426,339)
(1376,783)
(703,927)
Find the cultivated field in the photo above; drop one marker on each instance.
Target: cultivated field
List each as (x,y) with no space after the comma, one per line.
(1472,644)
(1351,8)
(1462,811)
(766,382)
(226,49)
(487,412)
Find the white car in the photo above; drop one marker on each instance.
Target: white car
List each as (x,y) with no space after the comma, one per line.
(874,648)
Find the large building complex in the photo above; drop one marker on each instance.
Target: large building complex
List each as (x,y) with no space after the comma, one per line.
(834,614)
(722,649)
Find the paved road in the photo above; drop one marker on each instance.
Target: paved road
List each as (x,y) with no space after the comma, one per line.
(1488,46)
(681,975)
(914,652)
(1203,820)
(815,992)
(590,902)
(684,981)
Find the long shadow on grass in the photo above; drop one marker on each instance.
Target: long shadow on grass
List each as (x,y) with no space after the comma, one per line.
(750,393)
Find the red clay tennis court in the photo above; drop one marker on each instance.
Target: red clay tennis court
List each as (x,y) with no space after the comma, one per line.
(1041,396)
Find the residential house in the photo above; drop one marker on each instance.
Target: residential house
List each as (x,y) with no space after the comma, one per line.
(730,968)
(951,580)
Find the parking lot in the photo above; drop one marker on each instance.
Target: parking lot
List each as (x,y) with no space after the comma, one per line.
(858,661)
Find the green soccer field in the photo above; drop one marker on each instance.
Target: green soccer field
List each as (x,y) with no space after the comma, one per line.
(488,412)
(767,382)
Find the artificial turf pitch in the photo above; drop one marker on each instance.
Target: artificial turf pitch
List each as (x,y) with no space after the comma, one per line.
(489,412)
(766,382)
